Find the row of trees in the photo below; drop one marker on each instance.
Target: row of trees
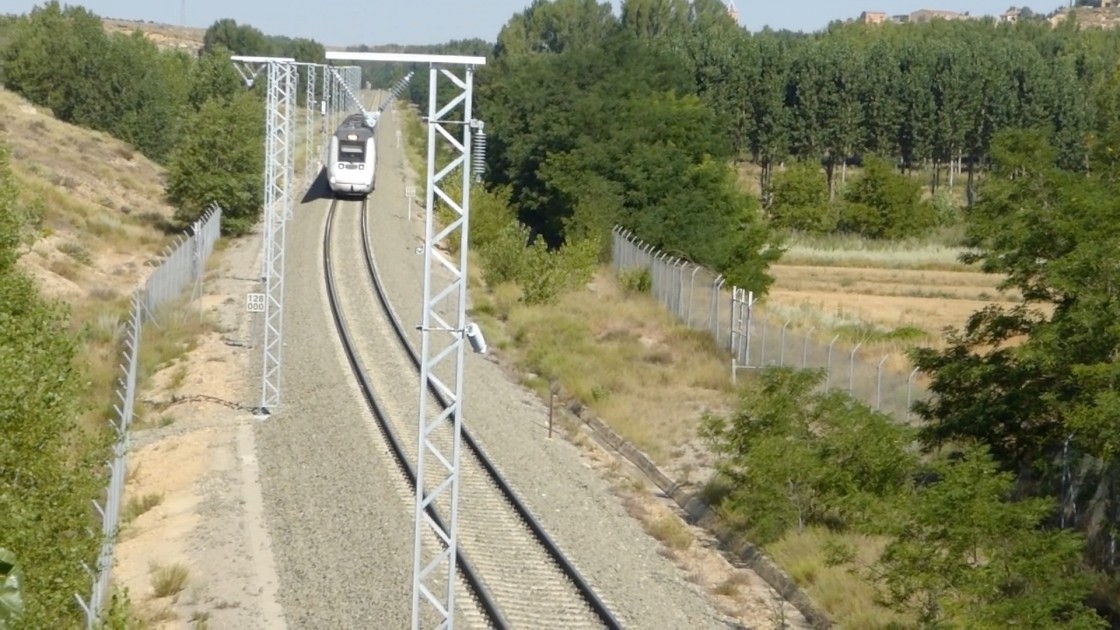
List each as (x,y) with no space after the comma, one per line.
(915,95)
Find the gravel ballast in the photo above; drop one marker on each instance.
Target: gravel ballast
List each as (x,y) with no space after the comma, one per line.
(340,531)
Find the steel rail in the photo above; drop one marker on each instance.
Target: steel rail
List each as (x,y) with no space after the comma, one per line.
(597,605)
(470,574)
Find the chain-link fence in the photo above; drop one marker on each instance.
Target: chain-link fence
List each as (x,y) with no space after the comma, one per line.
(1088,488)
(182,267)
(703,300)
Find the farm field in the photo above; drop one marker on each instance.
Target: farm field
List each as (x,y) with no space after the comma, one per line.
(838,289)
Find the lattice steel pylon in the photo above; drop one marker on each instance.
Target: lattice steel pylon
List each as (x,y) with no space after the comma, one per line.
(280,105)
(434,571)
(310,72)
(337,81)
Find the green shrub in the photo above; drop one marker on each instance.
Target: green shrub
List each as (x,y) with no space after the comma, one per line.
(799,200)
(636,280)
(885,204)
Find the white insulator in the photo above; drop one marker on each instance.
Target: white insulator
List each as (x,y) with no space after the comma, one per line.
(478,153)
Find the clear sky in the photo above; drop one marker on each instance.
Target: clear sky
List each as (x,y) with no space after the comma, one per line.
(342,23)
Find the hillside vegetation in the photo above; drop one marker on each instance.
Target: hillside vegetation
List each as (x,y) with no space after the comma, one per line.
(98,168)
(83,216)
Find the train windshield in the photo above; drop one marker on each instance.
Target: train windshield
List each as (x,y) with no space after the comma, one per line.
(351,153)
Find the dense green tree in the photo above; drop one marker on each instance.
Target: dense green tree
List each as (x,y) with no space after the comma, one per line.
(800,200)
(553,26)
(885,204)
(213,77)
(795,457)
(221,160)
(241,39)
(655,18)
(965,556)
(138,102)
(54,60)
(62,59)
(300,49)
(46,483)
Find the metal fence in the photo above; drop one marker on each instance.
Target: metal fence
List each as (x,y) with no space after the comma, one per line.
(702,299)
(182,266)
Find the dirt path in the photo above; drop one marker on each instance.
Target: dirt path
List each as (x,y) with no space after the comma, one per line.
(199,458)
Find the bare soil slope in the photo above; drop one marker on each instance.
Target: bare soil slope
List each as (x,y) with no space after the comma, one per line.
(102,204)
(184,38)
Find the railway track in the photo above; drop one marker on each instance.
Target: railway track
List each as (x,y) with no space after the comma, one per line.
(515,572)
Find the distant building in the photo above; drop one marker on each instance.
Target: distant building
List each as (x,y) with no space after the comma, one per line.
(1010,16)
(873,17)
(925,15)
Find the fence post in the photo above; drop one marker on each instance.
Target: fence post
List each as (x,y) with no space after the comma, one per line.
(828,370)
(678,277)
(782,353)
(909,390)
(852,368)
(879,382)
(692,293)
(717,291)
(805,347)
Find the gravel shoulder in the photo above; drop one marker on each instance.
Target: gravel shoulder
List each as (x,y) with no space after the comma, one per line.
(195,451)
(343,535)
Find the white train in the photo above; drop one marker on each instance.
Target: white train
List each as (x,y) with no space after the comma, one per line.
(352,159)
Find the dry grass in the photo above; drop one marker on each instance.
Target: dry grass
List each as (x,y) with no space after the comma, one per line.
(671,531)
(139,505)
(169,580)
(842,590)
(176,331)
(620,354)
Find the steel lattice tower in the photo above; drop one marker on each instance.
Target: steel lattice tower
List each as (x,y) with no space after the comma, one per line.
(280,106)
(441,341)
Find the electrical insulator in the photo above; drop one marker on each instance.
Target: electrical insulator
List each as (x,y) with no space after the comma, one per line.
(478,153)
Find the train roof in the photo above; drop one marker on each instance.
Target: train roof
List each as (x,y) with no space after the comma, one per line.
(354,120)
(354,124)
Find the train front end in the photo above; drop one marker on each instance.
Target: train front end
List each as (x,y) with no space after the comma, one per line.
(353,161)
